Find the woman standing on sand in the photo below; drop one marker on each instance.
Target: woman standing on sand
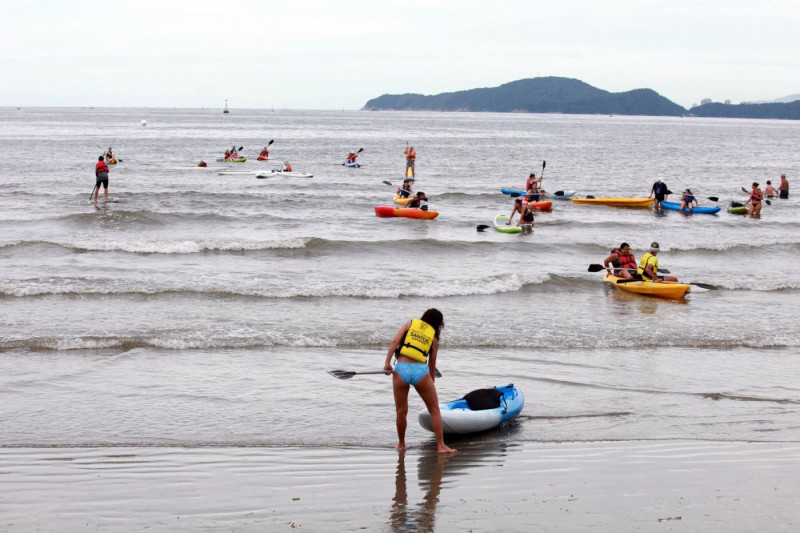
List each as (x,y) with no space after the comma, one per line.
(416,346)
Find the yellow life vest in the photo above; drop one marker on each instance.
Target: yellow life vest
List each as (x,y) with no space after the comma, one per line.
(418,341)
(647,258)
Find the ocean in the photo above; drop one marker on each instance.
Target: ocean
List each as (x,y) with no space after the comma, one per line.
(205,309)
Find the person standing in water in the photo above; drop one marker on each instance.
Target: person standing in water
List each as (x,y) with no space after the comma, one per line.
(783,188)
(416,346)
(659,189)
(755,201)
(101,175)
(411,160)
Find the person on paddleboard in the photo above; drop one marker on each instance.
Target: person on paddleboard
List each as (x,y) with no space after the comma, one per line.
(101,176)
(416,347)
(623,261)
(648,267)
(687,199)
(659,193)
(416,202)
(755,201)
(404,191)
(783,188)
(411,160)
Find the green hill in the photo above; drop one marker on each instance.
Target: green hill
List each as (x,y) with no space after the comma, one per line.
(790,111)
(536,95)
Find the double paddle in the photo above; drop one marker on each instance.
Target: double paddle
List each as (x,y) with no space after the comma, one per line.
(347,374)
(599,268)
(358,152)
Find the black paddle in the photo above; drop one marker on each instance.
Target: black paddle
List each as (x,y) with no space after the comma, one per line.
(90,196)
(701,285)
(589,197)
(358,152)
(544,163)
(765,200)
(482,227)
(598,268)
(347,374)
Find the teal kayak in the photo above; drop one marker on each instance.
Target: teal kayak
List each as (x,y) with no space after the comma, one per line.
(676,206)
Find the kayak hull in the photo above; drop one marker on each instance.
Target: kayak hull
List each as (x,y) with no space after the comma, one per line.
(499,224)
(565,194)
(545,205)
(458,418)
(737,210)
(353,165)
(399,200)
(387,211)
(676,206)
(672,291)
(232,160)
(262,175)
(615,202)
(111,161)
(262,158)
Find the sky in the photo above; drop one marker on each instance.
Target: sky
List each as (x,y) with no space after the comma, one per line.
(314,54)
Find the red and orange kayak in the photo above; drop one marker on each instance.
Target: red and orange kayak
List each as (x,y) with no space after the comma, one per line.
(385,211)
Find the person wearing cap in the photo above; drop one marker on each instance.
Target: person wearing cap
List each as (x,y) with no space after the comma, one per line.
(404,191)
(660,191)
(648,267)
(351,157)
(755,201)
(783,188)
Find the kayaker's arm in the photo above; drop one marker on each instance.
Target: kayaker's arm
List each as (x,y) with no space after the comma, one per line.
(432,359)
(387,365)
(610,259)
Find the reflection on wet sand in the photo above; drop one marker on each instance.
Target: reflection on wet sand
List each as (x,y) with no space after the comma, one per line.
(435,470)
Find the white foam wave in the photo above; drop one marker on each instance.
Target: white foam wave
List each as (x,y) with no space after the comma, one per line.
(187,246)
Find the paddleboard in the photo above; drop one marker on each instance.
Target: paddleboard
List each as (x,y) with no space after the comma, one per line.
(499,224)
(675,206)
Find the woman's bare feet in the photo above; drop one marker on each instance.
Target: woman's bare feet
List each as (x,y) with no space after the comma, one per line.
(446,449)
(400,446)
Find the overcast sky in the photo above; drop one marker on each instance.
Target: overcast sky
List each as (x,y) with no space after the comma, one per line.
(314,54)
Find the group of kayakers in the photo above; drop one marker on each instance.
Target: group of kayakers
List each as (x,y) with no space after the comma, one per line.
(660,192)
(622,263)
(405,191)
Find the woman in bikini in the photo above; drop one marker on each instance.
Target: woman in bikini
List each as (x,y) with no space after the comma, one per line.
(415,346)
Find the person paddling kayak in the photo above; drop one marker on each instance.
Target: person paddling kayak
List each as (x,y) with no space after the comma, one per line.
(687,200)
(416,347)
(533,187)
(648,267)
(287,167)
(404,191)
(417,201)
(264,154)
(352,157)
(623,261)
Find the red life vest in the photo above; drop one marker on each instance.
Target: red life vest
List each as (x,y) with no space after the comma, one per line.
(755,196)
(623,260)
(100,167)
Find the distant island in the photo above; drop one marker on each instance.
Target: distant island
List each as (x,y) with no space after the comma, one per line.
(570,96)
(536,95)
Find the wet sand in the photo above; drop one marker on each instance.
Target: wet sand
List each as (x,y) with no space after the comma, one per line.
(489,486)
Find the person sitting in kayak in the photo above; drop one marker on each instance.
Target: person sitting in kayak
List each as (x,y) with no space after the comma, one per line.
(264,153)
(687,199)
(109,154)
(532,187)
(660,191)
(227,154)
(417,201)
(351,157)
(648,267)
(404,191)
(287,167)
(202,164)
(416,347)
(755,201)
(623,261)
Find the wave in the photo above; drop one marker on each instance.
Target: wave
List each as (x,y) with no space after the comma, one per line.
(168,246)
(373,341)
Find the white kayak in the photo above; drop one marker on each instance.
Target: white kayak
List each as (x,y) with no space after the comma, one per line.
(500,405)
(277,173)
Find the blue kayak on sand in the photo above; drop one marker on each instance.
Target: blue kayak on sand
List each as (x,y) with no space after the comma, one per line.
(676,206)
(458,417)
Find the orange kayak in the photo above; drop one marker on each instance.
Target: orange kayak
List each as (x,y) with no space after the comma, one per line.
(260,158)
(407,212)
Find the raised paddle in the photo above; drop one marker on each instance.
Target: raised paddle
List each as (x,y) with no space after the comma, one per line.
(358,152)
(347,374)
(544,163)
(765,200)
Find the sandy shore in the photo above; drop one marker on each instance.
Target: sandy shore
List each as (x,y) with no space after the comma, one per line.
(597,486)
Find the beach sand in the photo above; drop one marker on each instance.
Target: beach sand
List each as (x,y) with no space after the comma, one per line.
(489,486)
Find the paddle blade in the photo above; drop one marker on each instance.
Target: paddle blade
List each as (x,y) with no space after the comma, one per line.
(713,198)
(360,150)
(482,227)
(596,268)
(341,374)
(241,148)
(703,286)
(387,183)
(270,142)
(544,164)
(559,193)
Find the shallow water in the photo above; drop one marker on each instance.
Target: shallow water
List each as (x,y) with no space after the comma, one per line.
(205,308)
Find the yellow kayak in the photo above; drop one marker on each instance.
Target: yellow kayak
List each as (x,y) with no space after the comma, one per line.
(675,291)
(111,161)
(399,200)
(616,202)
